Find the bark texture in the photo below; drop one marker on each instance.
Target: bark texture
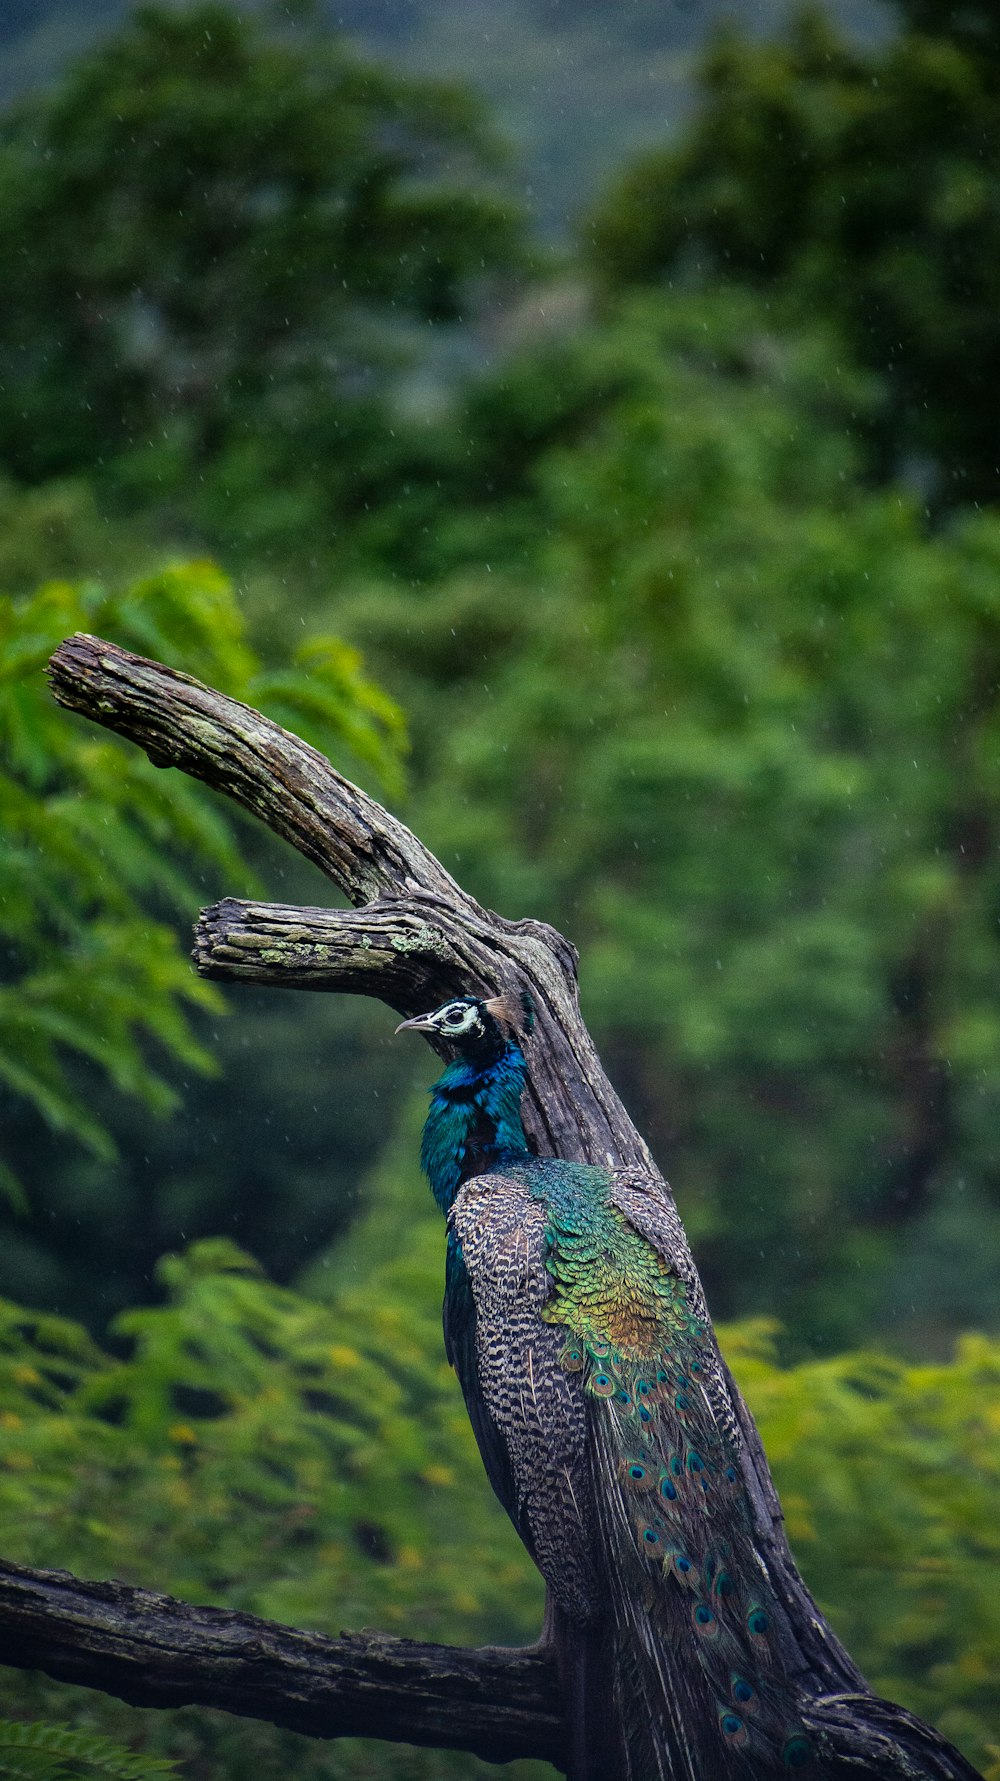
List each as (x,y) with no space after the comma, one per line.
(153,1651)
(414,938)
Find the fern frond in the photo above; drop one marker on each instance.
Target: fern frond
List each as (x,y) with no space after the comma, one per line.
(37,1750)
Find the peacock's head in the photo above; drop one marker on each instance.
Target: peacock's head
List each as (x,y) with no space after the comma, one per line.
(476,1026)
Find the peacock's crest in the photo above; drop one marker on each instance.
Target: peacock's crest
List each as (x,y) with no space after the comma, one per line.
(513,1009)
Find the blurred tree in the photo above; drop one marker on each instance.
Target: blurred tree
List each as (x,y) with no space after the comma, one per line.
(673,505)
(217,245)
(861,185)
(100,855)
(972,23)
(730,719)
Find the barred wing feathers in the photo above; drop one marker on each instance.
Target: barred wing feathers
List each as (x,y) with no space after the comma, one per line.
(537,1409)
(599,1376)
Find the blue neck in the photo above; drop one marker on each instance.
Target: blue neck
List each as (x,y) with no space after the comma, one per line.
(474,1122)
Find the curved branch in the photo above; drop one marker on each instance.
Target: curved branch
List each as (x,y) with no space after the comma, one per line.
(296,793)
(861,1735)
(153,1651)
(274,775)
(418,938)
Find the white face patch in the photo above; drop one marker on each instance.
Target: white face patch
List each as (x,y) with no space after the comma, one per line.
(459,1018)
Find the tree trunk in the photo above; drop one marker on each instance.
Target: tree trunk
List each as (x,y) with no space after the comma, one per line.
(413,938)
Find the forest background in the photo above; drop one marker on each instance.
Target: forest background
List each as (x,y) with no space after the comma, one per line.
(633,529)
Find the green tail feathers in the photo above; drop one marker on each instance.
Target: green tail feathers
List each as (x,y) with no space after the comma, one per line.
(689,1563)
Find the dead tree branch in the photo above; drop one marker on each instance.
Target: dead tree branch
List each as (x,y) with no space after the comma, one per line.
(153,1651)
(416,937)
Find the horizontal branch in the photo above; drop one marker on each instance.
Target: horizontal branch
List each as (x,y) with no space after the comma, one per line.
(412,952)
(501,1704)
(153,1651)
(390,949)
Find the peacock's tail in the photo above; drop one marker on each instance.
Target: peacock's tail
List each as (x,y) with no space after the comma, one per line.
(685,1574)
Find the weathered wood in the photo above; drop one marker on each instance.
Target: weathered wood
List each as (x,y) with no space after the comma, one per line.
(415,938)
(153,1651)
(274,775)
(450,943)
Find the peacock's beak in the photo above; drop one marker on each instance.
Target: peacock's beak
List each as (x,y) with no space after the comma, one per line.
(421,1023)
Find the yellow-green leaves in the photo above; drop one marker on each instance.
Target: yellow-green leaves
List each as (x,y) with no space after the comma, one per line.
(257,1449)
(314,1463)
(100,852)
(889,1476)
(40,1752)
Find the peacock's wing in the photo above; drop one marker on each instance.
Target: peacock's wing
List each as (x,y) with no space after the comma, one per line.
(460,1347)
(533,1412)
(648,1210)
(609,1426)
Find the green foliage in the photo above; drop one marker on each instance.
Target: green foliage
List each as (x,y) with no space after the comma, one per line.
(338,1432)
(974,24)
(658,715)
(36,1752)
(313,1462)
(862,185)
(890,1482)
(100,849)
(233,237)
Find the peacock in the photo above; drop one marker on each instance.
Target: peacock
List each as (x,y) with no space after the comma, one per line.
(575,1321)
